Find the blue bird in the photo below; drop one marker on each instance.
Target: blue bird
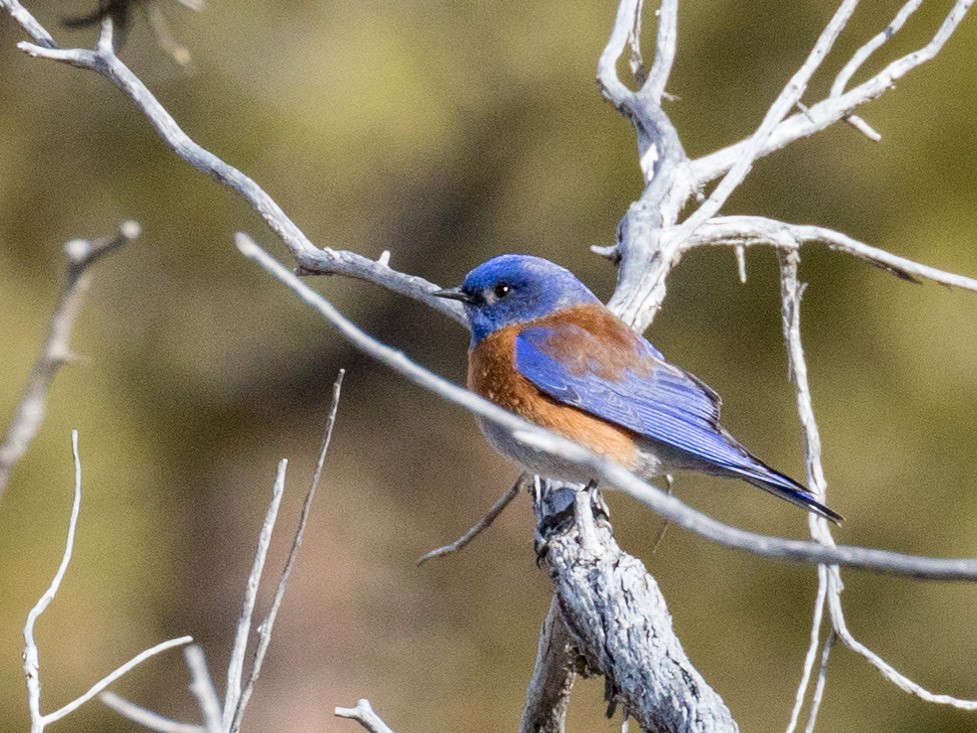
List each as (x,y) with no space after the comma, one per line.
(544,347)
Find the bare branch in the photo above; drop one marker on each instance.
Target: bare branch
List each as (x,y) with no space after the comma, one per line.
(549,689)
(29,23)
(32,662)
(812,649)
(32,669)
(481,525)
(202,687)
(828,111)
(812,716)
(56,351)
(147,718)
(310,260)
(115,675)
(619,623)
(861,55)
(665,49)
(743,231)
(610,473)
(268,625)
(364,715)
(820,530)
(235,668)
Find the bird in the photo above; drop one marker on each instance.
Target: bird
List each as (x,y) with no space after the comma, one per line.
(544,347)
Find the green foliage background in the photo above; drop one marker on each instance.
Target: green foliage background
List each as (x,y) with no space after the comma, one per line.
(447,132)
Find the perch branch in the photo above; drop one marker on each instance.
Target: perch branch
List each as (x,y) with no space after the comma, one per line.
(618,621)
(56,351)
(610,473)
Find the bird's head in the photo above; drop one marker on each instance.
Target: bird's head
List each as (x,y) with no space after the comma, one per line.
(512,289)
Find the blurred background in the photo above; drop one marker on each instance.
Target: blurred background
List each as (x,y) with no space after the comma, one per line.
(447,132)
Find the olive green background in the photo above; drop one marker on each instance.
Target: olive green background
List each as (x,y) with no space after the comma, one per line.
(447,132)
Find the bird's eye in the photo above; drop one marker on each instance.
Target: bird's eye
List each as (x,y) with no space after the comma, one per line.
(501,290)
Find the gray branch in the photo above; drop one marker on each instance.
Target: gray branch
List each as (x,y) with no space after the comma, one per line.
(620,624)
(548,695)
(56,351)
(609,473)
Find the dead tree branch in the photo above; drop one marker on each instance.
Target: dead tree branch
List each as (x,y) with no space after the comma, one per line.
(32,660)
(56,351)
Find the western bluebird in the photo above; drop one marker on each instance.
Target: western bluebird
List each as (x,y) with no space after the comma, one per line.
(544,347)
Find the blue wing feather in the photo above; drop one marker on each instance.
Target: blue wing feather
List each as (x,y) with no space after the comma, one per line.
(655,399)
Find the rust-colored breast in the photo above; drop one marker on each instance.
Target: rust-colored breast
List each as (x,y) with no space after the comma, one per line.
(492,374)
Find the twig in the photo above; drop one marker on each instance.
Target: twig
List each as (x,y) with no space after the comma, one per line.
(32,662)
(268,625)
(791,293)
(202,687)
(828,111)
(812,650)
(610,473)
(745,231)
(666,43)
(235,668)
(481,525)
(364,715)
(548,694)
(31,655)
(30,412)
(147,718)
(812,716)
(310,259)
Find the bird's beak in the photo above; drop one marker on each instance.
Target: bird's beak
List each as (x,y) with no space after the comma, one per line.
(453,294)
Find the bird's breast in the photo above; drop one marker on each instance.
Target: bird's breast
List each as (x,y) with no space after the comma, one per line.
(492,374)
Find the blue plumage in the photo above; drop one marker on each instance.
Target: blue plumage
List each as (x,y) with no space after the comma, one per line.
(574,351)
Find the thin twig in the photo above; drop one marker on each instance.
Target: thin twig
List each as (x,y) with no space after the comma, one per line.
(830,110)
(235,668)
(268,625)
(145,717)
(666,44)
(861,55)
(745,231)
(608,472)
(32,669)
(821,531)
(29,415)
(481,525)
(812,716)
(32,664)
(202,687)
(812,650)
(364,715)
(115,675)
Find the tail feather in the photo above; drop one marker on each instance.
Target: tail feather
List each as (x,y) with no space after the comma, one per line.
(787,488)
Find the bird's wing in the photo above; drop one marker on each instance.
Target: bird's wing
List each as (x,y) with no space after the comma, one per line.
(625,381)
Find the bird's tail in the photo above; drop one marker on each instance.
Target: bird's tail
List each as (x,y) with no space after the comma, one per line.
(778,484)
